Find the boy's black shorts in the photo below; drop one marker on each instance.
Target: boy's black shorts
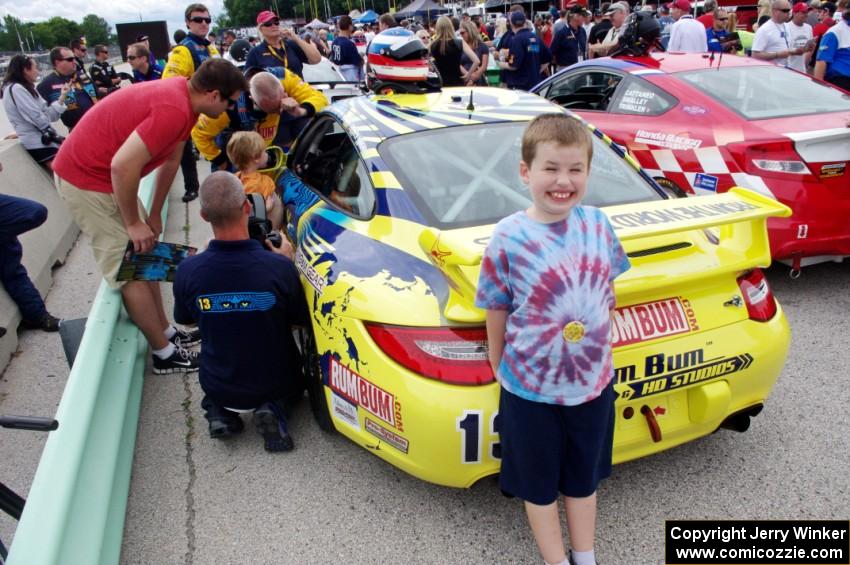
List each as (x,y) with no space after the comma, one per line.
(547,448)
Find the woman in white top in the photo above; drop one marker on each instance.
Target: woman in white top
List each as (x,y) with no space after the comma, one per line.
(28,113)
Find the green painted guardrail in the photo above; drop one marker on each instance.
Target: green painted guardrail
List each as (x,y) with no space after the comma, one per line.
(76,506)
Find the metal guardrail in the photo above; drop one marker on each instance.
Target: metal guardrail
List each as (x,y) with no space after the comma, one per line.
(76,506)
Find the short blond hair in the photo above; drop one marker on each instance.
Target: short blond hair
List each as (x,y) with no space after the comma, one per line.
(244,147)
(558,128)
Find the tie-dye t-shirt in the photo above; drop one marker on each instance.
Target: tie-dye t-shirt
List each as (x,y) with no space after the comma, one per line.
(550,277)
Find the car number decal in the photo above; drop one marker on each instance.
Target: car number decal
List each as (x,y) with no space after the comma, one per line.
(470,425)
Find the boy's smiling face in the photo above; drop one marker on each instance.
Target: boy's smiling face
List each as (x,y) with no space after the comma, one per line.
(557,179)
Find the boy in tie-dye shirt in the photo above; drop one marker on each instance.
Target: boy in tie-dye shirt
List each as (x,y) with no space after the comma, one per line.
(546,283)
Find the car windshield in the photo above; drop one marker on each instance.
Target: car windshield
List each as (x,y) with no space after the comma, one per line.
(743,90)
(468,176)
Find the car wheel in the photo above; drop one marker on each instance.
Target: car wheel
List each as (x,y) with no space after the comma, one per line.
(670,187)
(315,387)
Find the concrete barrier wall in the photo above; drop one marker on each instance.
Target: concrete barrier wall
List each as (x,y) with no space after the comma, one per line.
(44,247)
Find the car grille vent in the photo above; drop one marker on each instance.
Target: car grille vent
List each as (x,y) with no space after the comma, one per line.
(656,250)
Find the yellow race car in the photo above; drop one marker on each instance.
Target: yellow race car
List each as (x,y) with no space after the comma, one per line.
(391,200)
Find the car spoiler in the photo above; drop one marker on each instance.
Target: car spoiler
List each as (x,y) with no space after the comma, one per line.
(740,214)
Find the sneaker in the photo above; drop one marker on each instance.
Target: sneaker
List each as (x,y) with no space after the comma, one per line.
(184,338)
(181,361)
(48,323)
(572,562)
(222,427)
(190,195)
(272,426)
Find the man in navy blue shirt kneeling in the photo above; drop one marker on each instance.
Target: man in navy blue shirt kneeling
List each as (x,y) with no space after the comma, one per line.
(245,300)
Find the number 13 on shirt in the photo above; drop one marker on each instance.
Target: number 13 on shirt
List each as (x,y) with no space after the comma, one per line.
(474,437)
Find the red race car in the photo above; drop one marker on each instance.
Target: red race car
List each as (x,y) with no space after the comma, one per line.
(703,124)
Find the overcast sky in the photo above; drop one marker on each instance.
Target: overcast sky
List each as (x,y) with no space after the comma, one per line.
(114,11)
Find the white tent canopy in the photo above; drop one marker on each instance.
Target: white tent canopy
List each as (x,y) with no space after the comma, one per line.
(317,24)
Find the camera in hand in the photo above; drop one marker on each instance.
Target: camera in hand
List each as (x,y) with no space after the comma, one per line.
(259,226)
(49,136)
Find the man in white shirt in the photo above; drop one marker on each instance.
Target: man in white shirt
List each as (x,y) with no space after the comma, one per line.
(800,37)
(687,35)
(771,42)
(617,12)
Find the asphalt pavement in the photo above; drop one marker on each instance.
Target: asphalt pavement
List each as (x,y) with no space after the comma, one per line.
(195,500)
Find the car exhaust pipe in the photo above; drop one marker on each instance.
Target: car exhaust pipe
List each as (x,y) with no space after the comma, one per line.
(740,421)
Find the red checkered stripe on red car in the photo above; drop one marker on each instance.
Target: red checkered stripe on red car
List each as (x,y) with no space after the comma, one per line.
(682,166)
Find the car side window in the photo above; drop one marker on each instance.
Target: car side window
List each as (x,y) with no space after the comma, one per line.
(640,98)
(590,90)
(328,163)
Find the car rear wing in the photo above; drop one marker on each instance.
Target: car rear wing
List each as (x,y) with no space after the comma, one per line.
(740,216)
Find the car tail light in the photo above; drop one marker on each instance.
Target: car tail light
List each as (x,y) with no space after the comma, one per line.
(761,306)
(452,355)
(767,159)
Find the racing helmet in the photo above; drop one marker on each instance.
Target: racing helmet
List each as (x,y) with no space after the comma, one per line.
(640,35)
(397,61)
(239,50)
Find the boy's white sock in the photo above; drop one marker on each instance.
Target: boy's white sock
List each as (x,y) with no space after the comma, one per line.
(564,562)
(170,331)
(584,557)
(165,352)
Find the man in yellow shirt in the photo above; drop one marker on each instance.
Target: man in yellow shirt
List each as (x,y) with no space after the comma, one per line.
(259,110)
(183,61)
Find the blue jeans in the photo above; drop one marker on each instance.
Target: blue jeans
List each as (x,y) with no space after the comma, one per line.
(19,215)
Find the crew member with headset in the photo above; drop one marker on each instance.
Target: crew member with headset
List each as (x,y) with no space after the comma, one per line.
(258,110)
(183,61)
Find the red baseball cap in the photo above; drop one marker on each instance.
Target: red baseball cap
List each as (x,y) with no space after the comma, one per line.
(266,16)
(800,7)
(684,5)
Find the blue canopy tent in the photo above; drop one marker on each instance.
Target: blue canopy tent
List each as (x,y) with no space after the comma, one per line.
(368,17)
(421,8)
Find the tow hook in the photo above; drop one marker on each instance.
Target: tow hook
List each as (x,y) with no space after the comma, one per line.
(796,267)
(654,428)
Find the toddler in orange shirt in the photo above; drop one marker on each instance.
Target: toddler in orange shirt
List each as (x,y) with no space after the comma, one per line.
(247,151)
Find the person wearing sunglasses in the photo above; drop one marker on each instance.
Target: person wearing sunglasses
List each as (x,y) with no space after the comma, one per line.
(80,97)
(98,168)
(183,61)
(81,51)
(139,58)
(772,41)
(280,47)
(717,35)
(103,74)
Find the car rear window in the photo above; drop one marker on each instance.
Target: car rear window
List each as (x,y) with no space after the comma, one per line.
(767,92)
(469,175)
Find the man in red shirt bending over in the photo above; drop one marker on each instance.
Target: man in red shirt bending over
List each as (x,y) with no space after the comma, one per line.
(98,169)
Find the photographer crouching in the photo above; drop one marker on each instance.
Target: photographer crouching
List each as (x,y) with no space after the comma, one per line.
(245,300)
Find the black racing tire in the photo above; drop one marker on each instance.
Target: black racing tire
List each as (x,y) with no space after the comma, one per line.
(670,187)
(315,387)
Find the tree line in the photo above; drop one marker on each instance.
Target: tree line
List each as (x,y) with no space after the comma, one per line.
(239,13)
(56,31)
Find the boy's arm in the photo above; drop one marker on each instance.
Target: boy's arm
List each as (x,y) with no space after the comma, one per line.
(496,322)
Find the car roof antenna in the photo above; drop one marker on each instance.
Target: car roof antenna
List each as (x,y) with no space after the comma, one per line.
(470,107)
